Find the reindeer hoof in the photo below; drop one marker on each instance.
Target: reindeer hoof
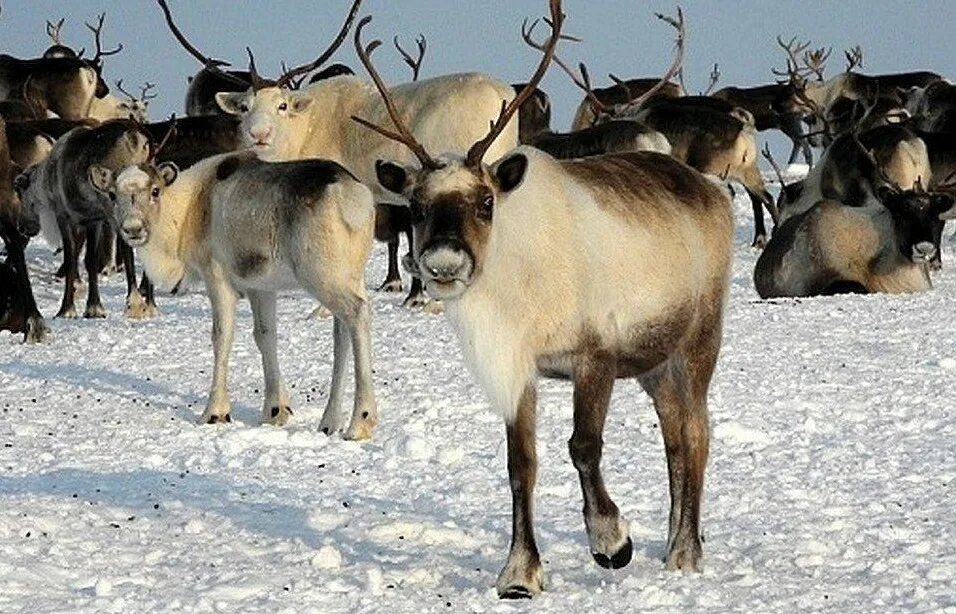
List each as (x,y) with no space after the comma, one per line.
(391,285)
(217,419)
(94,311)
(37,330)
(67,312)
(684,557)
(617,560)
(277,415)
(516,592)
(360,430)
(415,302)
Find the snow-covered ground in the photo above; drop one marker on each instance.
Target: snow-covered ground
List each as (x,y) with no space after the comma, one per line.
(831,484)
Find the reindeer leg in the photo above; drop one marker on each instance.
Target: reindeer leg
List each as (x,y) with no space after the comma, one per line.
(94,306)
(760,230)
(393,280)
(147,289)
(679,392)
(522,576)
(275,406)
(135,304)
(607,532)
(223,298)
(365,412)
(342,343)
(36,328)
(68,305)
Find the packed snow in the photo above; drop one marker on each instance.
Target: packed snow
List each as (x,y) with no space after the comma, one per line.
(830,486)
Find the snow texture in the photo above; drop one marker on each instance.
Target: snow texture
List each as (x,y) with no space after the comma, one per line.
(830,485)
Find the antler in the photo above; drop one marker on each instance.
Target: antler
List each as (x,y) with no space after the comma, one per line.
(765,152)
(676,65)
(119,86)
(295,83)
(478,150)
(97,31)
(793,49)
(144,90)
(414,64)
(854,58)
(403,135)
(816,60)
(714,78)
(154,151)
(876,165)
(257,81)
(53,31)
(209,63)
(584,82)
(286,78)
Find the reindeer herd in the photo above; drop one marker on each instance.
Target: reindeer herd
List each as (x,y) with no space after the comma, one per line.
(592,255)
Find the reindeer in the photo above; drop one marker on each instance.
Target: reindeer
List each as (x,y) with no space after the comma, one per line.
(933,106)
(63,84)
(609,137)
(885,245)
(592,269)
(448,112)
(249,227)
(18,224)
(60,185)
(621,93)
(135,107)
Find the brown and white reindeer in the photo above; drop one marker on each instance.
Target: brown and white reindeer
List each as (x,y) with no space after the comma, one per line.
(447,113)
(607,267)
(253,228)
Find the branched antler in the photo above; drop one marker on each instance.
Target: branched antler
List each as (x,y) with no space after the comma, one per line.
(154,151)
(854,58)
(286,78)
(403,134)
(208,63)
(675,67)
(816,61)
(582,82)
(414,63)
(793,49)
(53,31)
(97,31)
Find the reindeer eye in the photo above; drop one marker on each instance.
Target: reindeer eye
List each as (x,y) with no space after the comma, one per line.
(155,193)
(487,208)
(283,106)
(112,196)
(243,108)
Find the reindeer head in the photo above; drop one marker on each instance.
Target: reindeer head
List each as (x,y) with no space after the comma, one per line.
(269,108)
(136,192)
(454,198)
(917,219)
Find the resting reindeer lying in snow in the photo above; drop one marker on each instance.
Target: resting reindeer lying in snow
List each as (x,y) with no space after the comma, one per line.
(254,228)
(886,245)
(592,269)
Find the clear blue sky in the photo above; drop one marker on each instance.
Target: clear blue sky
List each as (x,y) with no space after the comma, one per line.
(620,36)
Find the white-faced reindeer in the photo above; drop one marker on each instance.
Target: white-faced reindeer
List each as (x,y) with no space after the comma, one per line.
(446,113)
(253,228)
(606,267)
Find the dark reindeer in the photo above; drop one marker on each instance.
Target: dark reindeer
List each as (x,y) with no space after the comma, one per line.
(18,224)
(479,251)
(61,185)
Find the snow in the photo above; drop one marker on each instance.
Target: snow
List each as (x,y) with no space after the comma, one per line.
(830,484)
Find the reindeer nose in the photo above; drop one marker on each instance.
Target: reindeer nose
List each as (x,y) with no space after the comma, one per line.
(133,229)
(260,133)
(445,262)
(924,250)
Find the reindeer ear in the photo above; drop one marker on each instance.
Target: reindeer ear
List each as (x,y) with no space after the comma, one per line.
(168,172)
(100,177)
(301,102)
(944,205)
(510,172)
(391,176)
(229,101)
